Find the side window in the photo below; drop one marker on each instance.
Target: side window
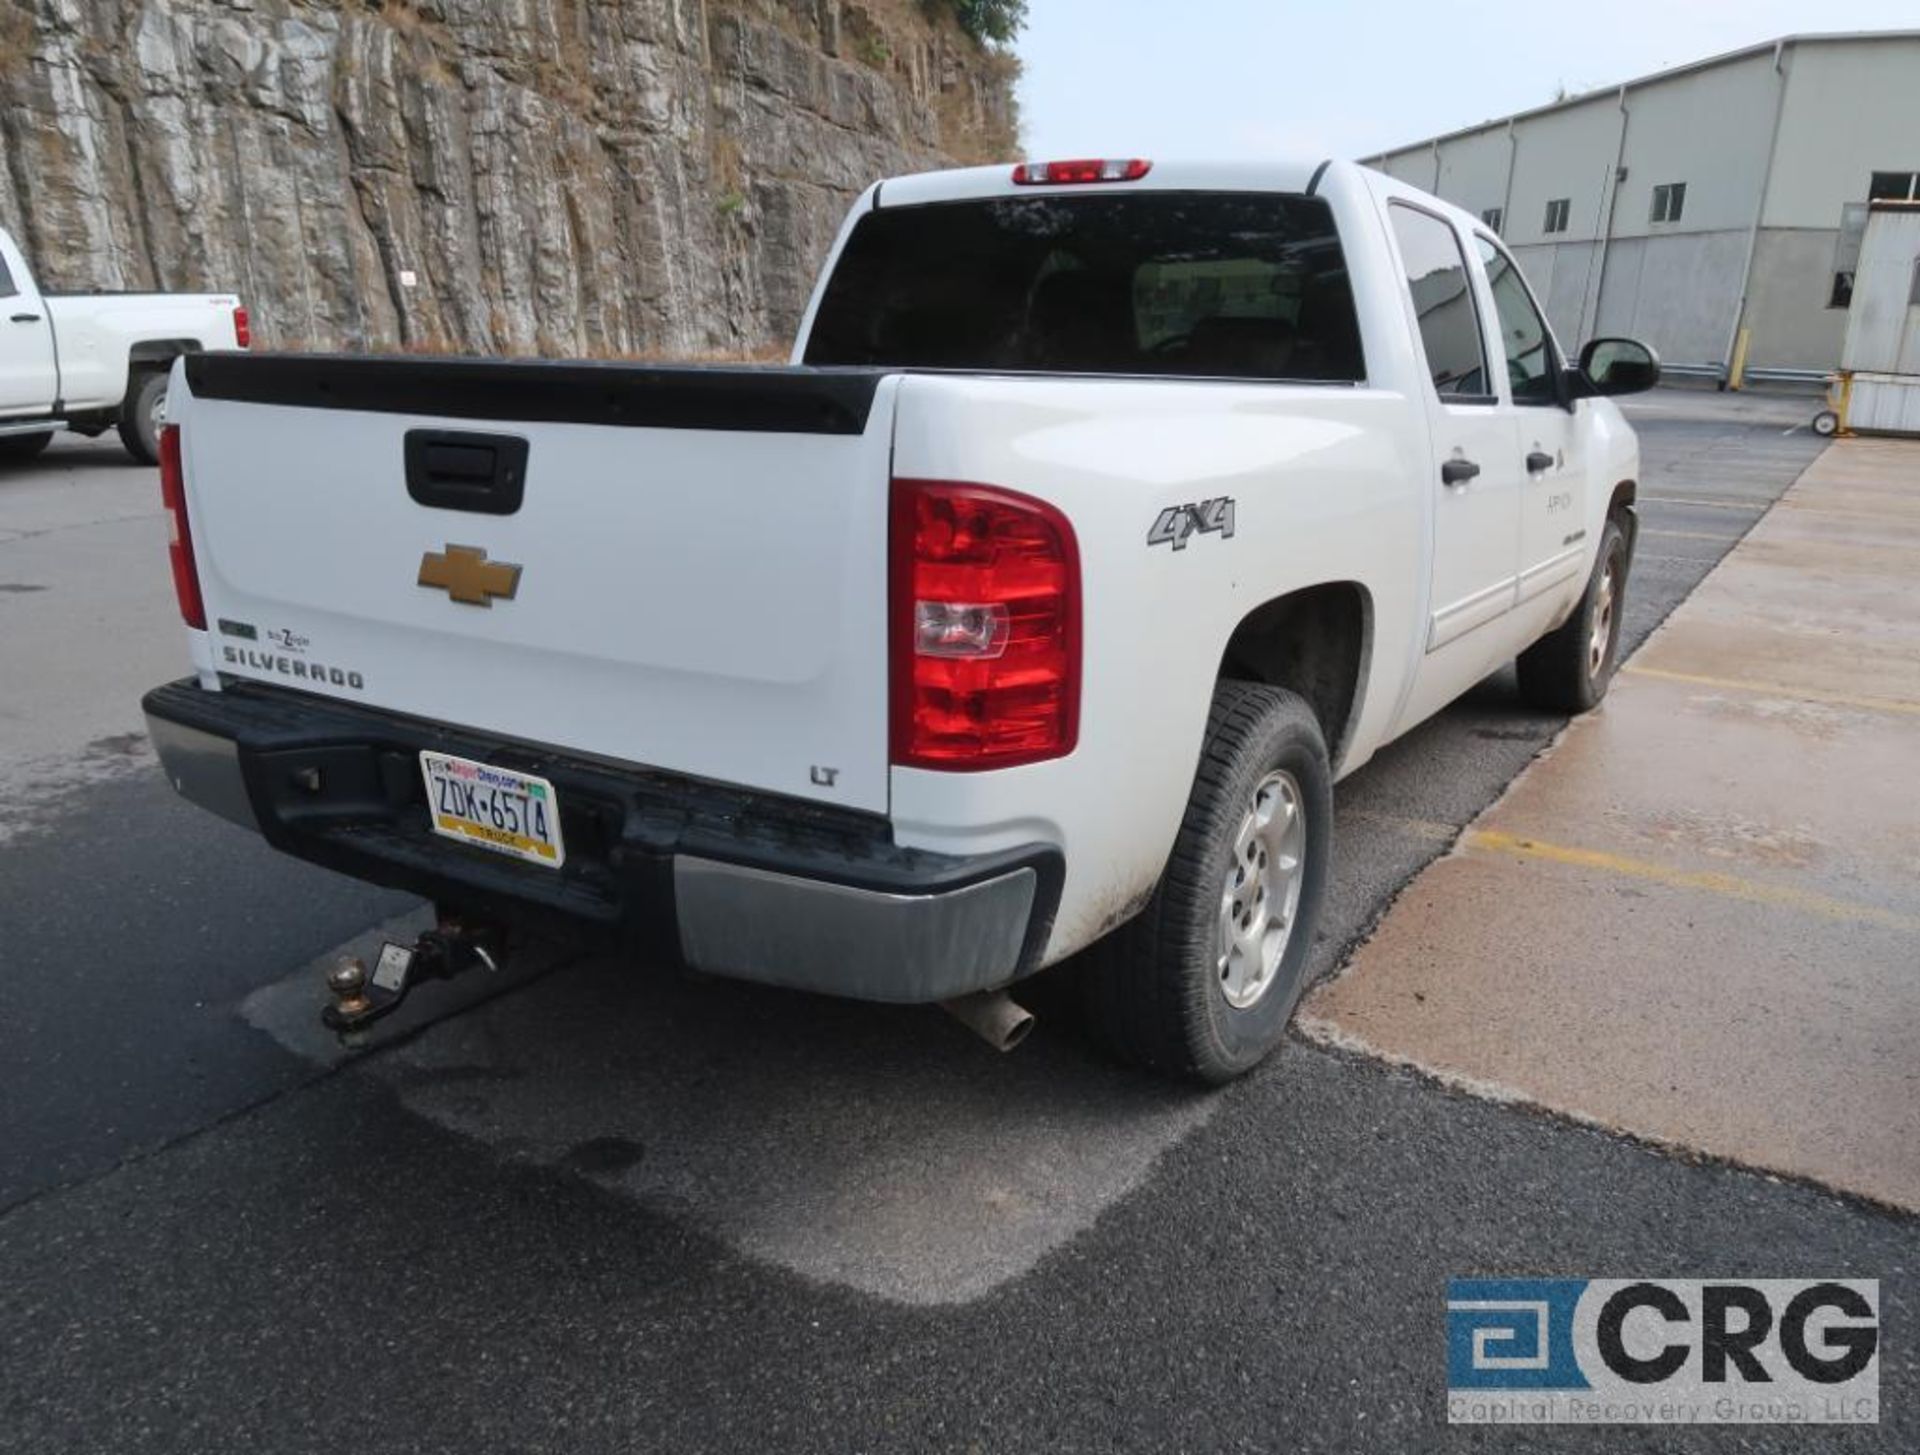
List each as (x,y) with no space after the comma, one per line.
(7,290)
(1443,302)
(1532,367)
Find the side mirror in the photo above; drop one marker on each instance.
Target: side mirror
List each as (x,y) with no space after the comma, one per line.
(1616,366)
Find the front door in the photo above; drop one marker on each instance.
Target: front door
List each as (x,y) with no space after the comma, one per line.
(1476,479)
(1553,503)
(28,378)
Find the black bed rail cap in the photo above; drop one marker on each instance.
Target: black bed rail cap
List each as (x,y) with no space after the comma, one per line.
(764,399)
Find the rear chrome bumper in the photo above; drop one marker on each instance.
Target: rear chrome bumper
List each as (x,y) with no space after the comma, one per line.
(815,935)
(203,768)
(736,883)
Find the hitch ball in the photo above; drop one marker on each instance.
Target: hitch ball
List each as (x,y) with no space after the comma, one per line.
(347,983)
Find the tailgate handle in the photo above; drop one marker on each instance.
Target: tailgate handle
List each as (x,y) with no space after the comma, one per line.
(455,470)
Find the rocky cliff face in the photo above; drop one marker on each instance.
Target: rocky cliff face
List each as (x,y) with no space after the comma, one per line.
(599,177)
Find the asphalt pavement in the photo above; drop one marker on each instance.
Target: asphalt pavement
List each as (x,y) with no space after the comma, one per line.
(619,1209)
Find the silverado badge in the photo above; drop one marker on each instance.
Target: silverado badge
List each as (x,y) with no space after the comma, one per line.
(465,574)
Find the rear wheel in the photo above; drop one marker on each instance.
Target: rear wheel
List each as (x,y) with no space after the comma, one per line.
(1203,981)
(16,448)
(142,414)
(1569,669)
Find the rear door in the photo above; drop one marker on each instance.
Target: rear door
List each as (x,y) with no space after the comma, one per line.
(1553,504)
(1476,478)
(29,379)
(679,569)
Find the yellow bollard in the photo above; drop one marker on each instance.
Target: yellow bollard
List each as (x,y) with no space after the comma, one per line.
(1737,370)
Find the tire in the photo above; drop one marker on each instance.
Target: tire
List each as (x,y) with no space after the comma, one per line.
(1569,669)
(1826,424)
(141,415)
(1158,992)
(17,449)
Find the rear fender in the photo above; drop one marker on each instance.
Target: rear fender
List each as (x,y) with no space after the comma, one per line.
(160,351)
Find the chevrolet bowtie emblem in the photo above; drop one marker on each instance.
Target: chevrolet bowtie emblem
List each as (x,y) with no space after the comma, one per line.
(465,574)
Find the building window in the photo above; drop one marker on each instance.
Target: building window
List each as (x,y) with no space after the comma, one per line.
(1894,187)
(1558,212)
(1842,294)
(1668,199)
(1492,217)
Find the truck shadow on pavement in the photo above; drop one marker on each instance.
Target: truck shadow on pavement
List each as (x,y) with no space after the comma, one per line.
(881,1148)
(70,453)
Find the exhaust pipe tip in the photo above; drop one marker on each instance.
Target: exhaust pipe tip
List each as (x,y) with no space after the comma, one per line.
(993,1016)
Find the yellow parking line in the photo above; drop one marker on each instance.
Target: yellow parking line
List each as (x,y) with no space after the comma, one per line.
(1756,506)
(1776,689)
(1691,535)
(1729,885)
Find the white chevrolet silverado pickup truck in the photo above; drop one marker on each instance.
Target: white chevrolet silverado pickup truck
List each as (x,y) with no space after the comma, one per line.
(1108,513)
(90,362)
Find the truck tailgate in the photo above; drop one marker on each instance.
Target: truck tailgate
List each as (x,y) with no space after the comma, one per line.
(701,554)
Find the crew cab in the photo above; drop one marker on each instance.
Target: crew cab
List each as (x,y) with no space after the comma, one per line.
(1107,514)
(90,362)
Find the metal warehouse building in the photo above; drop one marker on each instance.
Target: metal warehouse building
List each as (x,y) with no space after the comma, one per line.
(1714,210)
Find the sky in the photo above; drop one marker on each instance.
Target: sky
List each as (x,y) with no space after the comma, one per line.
(1249,78)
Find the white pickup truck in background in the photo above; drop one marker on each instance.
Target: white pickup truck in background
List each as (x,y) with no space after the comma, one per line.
(1108,513)
(90,362)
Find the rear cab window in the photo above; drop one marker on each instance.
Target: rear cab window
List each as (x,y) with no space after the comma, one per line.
(1194,284)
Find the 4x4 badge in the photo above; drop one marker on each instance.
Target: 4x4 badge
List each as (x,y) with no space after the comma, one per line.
(1177,522)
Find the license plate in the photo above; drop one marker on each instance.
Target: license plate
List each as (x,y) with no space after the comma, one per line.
(494,808)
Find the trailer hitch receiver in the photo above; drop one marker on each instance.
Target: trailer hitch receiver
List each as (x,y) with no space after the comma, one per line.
(359,996)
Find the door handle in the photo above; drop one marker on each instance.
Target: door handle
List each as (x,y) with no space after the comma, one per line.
(458,470)
(1539,462)
(1458,472)
(26,318)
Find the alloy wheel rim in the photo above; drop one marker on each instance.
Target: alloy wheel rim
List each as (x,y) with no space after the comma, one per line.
(1600,639)
(1260,893)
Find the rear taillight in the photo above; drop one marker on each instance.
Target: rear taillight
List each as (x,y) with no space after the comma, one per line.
(1060,174)
(173,495)
(242,327)
(985,628)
